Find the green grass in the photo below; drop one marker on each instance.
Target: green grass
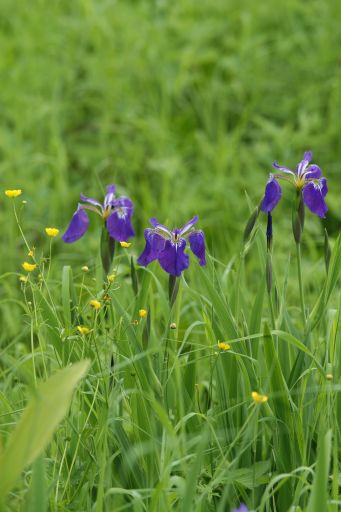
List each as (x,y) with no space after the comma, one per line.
(184,105)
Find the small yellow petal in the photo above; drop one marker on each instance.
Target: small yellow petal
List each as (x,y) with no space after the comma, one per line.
(125,244)
(30,253)
(111,278)
(95,304)
(85,268)
(51,231)
(83,330)
(222,345)
(13,193)
(29,267)
(259,399)
(143,313)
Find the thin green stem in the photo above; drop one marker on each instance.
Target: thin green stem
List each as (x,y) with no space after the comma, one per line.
(300,282)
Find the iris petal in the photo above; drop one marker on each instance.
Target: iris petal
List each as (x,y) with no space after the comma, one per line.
(161,227)
(119,224)
(109,196)
(313,171)
(188,225)
(89,200)
(273,193)
(173,258)
(197,245)
(77,227)
(313,197)
(301,167)
(154,244)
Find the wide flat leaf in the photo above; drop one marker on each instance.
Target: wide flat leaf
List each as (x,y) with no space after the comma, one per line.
(36,426)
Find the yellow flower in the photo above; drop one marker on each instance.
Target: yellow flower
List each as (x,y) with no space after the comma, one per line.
(13,193)
(111,278)
(143,313)
(222,345)
(23,279)
(83,330)
(85,268)
(30,253)
(95,304)
(51,231)
(259,399)
(125,244)
(29,267)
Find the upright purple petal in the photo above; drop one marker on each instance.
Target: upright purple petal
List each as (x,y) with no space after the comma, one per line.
(313,171)
(89,200)
(188,225)
(119,223)
(301,167)
(313,197)
(154,244)
(273,193)
(173,258)
(110,195)
(77,227)
(163,230)
(197,245)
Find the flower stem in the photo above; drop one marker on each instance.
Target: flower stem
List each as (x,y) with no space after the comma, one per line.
(300,282)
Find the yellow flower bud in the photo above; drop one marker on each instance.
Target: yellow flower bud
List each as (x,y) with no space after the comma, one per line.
(13,193)
(143,313)
(95,304)
(222,345)
(29,267)
(259,399)
(83,330)
(51,231)
(125,244)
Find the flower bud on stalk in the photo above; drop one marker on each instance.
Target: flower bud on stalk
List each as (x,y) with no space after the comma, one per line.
(298,218)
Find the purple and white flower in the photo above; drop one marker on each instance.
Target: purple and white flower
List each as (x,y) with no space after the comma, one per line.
(115,211)
(307,179)
(168,247)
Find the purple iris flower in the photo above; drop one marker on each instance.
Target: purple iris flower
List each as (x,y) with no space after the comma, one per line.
(168,247)
(115,211)
(242,508)
(307,179)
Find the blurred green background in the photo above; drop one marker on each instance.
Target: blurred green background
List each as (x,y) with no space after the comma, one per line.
(183,104)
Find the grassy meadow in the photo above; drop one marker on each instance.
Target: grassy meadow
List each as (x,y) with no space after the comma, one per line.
(183,105)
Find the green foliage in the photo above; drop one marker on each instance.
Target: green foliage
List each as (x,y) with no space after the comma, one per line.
(184,106)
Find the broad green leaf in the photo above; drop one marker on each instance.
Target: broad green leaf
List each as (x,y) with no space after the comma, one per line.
(36,426)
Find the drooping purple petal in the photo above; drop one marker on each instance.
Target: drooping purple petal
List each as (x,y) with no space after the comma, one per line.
(313,197)
(281,168)
(110,195)
(119,222)
(163,230)
(173,258)
(313,172)
(92,201)
(273,193)
(154,244)
(77,227)
(301,167)
(188,225)
(197,245)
